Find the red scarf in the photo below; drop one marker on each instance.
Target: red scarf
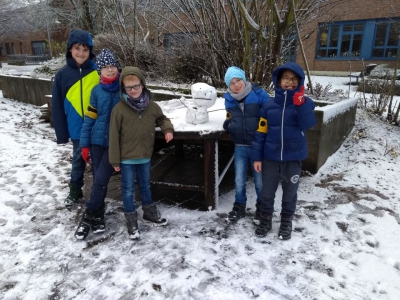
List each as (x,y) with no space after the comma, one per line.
(107,80)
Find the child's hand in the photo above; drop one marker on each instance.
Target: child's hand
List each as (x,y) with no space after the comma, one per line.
(298,98)
(117,169)
(85,154)
(257,166)
(168,137)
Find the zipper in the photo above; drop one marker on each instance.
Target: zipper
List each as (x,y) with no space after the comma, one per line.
(283,116)
(80,74)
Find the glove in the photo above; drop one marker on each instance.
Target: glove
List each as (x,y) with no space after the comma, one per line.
(298,98)
(85,154)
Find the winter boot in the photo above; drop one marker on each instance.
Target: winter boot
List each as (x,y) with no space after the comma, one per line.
(256,218)
(75,193)
(99,224)
(238,212)
(265,224)
(132,224)
(85,224)
(285,230)
(151,214)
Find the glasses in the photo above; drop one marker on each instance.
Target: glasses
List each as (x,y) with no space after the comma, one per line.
(134,87)
(112,68)
(290,79)
(234,82)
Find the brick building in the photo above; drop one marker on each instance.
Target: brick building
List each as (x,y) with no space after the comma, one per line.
(364,31)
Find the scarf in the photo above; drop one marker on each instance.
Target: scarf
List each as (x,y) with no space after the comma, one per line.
(138,104)
(243,94)
(110,84)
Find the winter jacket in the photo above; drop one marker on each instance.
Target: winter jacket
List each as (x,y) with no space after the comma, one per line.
(285,139)
(96,126)
(241,124)
(131,134)
(71,90)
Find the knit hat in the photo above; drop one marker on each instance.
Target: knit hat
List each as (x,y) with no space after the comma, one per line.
(105,58)
(234,72)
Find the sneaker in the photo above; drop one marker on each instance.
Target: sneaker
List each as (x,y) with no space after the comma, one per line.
(85,225)
(151,214)
(75,194)
(132,225)
(285,230)
(265,225)
(238,212)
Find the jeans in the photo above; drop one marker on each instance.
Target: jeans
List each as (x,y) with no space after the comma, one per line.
(78,164)
(128,184)
(288,173)
(241,162)
(102,171)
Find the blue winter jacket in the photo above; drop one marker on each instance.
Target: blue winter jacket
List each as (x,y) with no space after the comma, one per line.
(285,139)
(241,124)
(71,90)
(96,127)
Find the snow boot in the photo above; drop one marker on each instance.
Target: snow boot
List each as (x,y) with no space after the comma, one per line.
(99,224)
(256,218)
(285,230)
(265,224)
(75,194)
(132,225)
(238,212)
(85,224)
(151,214)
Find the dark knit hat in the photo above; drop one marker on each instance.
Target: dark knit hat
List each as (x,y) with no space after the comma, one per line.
(105,58)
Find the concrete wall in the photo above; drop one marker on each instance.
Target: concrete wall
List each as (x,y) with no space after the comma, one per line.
(334,123)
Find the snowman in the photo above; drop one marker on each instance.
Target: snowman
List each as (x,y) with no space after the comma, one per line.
(204,96)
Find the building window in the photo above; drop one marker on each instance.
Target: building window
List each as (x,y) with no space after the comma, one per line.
(1,50)
(387,35)
(9,48)
(21,48)
(38,48)
(353,39)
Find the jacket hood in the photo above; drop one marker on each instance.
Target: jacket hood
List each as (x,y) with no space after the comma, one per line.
(131,71)
(78,36)
(295,68)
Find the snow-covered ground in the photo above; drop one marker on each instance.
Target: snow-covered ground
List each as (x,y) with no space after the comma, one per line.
(345,242)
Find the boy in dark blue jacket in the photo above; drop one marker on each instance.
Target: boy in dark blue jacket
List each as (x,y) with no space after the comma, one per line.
(243,102)
(280,145)
(70,98)
(95,140)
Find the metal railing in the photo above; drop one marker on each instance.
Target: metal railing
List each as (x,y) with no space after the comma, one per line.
(23,59)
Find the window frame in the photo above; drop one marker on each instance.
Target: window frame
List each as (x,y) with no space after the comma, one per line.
(367,40)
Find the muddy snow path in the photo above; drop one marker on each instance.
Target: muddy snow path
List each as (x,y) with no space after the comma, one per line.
(344,245)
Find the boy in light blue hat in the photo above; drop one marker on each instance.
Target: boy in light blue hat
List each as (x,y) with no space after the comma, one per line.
(243,102)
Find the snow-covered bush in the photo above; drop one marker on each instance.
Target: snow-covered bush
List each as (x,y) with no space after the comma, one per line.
(49,68)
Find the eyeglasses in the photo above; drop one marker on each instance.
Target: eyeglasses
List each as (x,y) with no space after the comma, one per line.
(234,82)
(112,68)
(135,87)
(290,79)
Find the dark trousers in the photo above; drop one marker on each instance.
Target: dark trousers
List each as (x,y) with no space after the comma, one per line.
(273,172)
(102,171)
(78,164)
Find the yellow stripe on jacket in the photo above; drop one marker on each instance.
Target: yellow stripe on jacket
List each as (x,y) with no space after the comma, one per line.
(74,93)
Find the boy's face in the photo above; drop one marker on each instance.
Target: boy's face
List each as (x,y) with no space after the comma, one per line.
(80,53)
(132,86)
(289,80)
(109,71)
(237,85)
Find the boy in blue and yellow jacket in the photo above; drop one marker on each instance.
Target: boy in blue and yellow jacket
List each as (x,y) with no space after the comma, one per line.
(280,145)
(70,98)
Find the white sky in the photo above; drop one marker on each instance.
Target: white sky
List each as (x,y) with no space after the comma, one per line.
(345,244)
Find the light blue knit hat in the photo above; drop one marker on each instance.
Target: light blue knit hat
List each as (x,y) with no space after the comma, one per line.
(234,72)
